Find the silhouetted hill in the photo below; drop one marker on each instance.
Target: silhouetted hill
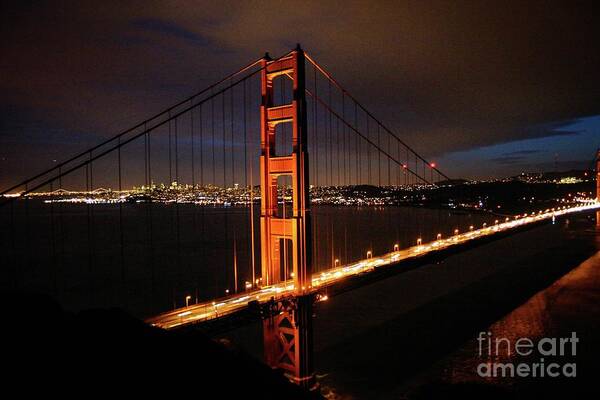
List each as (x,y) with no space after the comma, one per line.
(50,350)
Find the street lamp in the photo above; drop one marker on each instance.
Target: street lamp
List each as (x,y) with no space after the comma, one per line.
(396,247)
(419,241)
(336,262)
(369,254)
(439,236)
(187,300)
(456,231)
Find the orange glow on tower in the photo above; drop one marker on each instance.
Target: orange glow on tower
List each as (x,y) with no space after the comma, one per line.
(287,335)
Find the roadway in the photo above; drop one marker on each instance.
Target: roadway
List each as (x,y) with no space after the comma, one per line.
(227,306)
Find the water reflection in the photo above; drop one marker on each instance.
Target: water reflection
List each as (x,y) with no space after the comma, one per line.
(149,258)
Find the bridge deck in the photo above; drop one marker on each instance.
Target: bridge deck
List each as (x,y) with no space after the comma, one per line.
(226,306)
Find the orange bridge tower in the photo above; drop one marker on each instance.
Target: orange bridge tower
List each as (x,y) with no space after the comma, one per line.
(288,331)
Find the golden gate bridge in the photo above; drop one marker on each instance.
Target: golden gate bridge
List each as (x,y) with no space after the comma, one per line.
(241,159)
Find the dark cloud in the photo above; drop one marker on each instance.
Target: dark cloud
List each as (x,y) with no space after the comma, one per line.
(479,72)
(508,160)
(522,152)
(514,157)
(170,29)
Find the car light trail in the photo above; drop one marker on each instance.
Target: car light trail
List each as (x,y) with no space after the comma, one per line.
(234,303)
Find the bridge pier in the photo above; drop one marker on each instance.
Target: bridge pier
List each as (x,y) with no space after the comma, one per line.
(288,339)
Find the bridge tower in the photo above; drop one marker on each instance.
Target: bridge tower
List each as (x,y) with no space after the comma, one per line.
(287,333)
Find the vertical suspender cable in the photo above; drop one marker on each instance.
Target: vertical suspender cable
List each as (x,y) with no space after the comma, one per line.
(235,283)
(226,220)
(170,161)
(250,222)
(13,247)
(214,180)
(61,221)
(357,144)
(194,198)
(53,240)
(379,156)
(149,200)
(192,145)
(212,144)
(177,198)
(368,153)
(121,241)
(90,217)
(316,179)
(252,245)
(344,136)
(330,151)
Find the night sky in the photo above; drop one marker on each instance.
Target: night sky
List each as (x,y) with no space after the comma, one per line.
(485,90)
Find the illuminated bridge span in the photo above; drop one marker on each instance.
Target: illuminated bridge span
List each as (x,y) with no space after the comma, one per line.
(225,204)
(321,282)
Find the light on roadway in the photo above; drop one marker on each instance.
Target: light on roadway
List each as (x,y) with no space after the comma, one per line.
(456,231)
(471,227)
